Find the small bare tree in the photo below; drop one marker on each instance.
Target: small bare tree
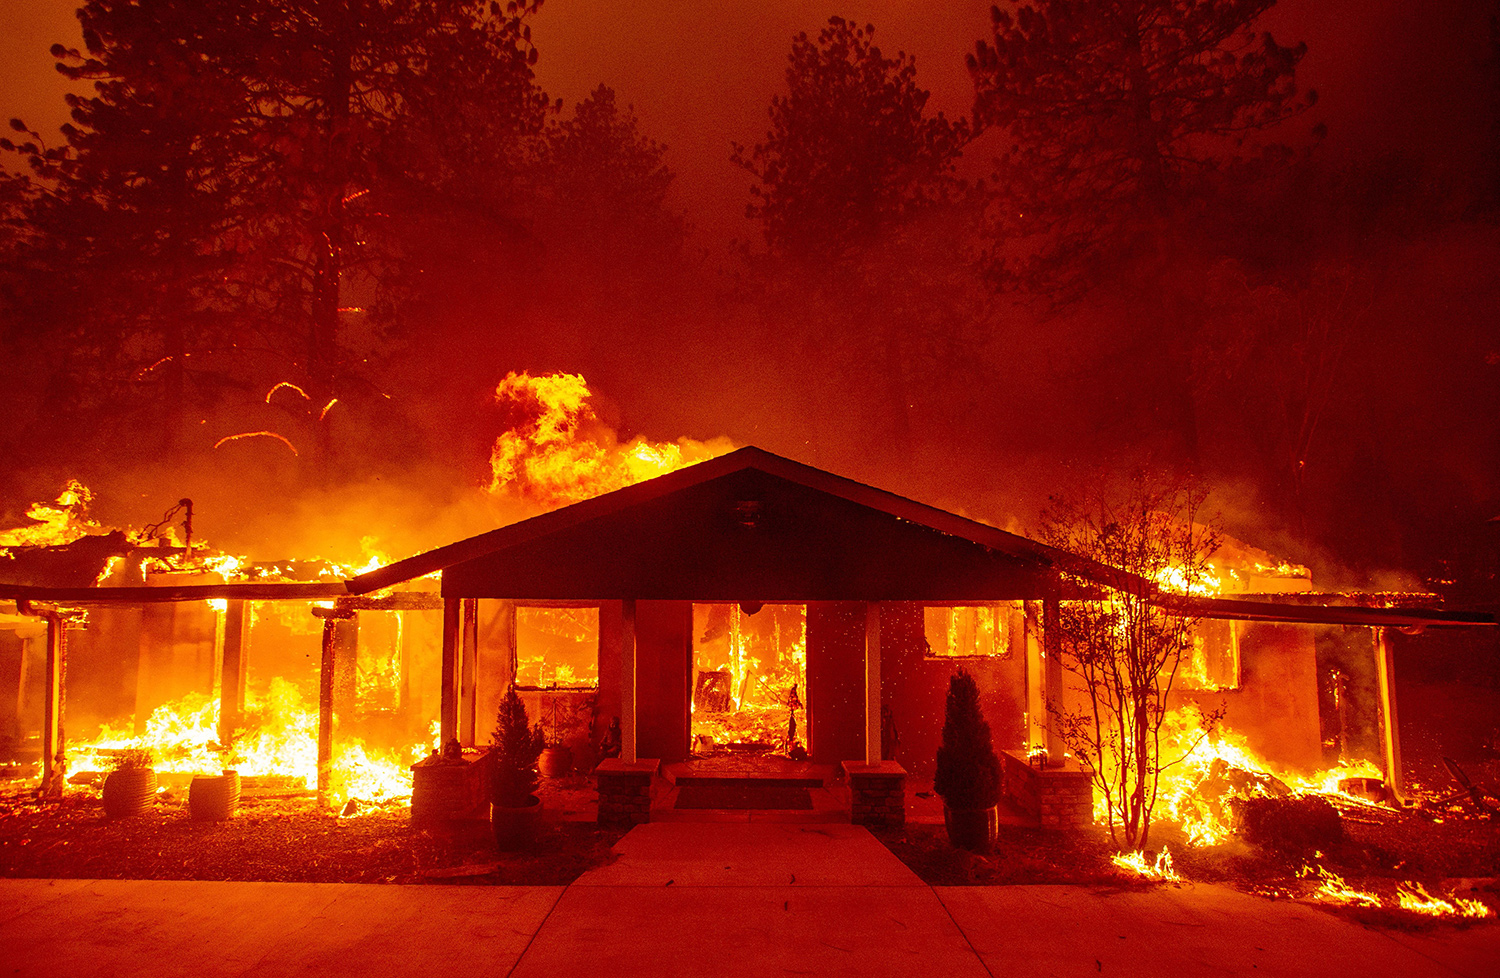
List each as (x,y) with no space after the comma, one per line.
(1120,644)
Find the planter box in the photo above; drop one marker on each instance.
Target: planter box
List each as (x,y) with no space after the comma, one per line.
(444,790)
(1058,796)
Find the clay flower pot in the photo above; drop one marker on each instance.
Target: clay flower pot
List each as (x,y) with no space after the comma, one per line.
(556,762)
(214,798)
(129,791)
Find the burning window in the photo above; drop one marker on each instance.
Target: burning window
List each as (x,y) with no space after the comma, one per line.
(749,679)
(967,631)
(557,647)
(1214,662)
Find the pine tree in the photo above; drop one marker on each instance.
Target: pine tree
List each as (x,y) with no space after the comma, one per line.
(239,178)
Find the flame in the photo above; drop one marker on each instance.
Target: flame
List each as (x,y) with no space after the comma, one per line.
(1158,869)
(558,452)
(1415,898)
(56,523)
(1208,767)
(257,434)
(289,386)
(1333,889)
(764,664)
(227,566)
(280,738)
(1204,582)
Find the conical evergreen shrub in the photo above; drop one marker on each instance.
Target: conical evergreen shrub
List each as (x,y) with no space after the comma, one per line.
(516,745)
(968,772)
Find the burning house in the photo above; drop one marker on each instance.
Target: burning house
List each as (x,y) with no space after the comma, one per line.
(747,606)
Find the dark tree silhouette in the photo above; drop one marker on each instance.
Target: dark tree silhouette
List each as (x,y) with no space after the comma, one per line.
(245,165)
(1116,113)
(1132,133)
(866,228)
(603,183)
(851,151)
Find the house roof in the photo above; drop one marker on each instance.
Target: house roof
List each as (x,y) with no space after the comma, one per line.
(819,536)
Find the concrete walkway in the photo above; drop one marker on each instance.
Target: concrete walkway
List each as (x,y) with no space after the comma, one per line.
(701,899)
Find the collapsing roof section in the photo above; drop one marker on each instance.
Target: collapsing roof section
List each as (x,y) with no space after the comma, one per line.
(747,526)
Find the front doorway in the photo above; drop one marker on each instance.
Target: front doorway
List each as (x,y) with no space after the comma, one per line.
(749,682)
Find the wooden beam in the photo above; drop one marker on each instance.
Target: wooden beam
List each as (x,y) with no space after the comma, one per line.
(181,592)
(232,671)
(399,601)
(334,622)
(326,667)
(872,683)
(1390,728)
(54,748)
(627,683)
(448,694)
(468,697)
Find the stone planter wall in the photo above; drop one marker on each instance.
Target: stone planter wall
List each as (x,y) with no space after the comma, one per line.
(1058,797)
(446,790)
(877,794)
(625,790)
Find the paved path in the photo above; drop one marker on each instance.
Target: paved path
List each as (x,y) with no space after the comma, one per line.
(702,900)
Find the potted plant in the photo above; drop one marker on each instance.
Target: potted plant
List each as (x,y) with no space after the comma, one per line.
(130,786)
(968,772)
(556,760)
(514,748)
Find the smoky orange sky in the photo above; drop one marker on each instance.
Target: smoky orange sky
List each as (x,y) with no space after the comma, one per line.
(1393,75)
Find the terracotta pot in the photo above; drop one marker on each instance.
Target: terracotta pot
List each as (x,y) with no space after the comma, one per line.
(214,799)
(515,828)
(973,829)
(555,762)
(129,791)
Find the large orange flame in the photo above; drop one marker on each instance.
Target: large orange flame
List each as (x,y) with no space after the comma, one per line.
(558,452)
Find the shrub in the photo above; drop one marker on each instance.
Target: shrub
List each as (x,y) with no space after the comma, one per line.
(968,772)
(516,745)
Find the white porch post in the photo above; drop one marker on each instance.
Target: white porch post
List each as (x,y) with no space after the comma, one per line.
(872,683)
(627,683)
(448,693)
(468,656)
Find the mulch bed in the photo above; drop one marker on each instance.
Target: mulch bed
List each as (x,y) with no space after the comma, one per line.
(284,839)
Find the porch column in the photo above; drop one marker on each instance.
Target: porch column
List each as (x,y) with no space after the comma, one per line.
(1385,669)
(627,682)
(1036,709)
(232,671)
(54,750)
(872,683)
(1052,678)
(448,694)
(468,657)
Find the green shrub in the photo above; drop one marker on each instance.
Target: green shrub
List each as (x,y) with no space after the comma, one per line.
(516,745)
(968,772)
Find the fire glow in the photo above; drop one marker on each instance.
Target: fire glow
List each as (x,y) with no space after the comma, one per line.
(280,740)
